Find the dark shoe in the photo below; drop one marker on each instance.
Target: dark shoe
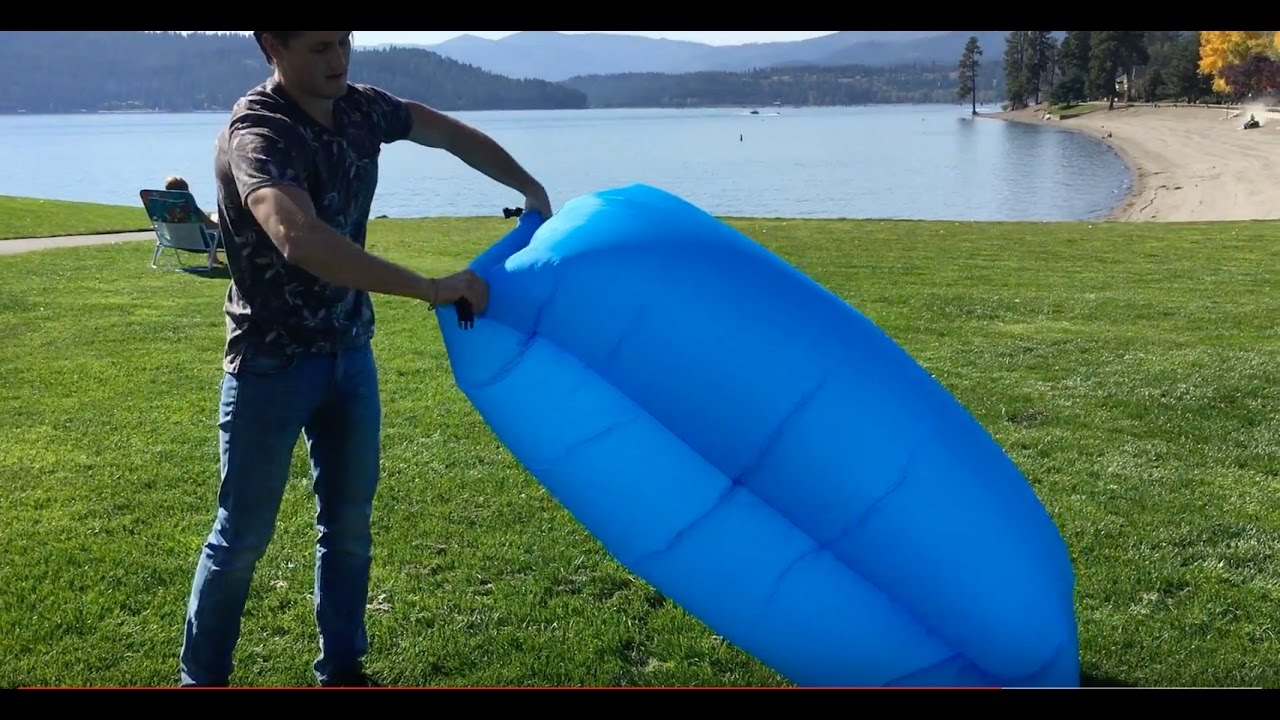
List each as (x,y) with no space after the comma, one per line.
(350,679)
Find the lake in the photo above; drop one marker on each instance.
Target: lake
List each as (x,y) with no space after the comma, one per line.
(888,161)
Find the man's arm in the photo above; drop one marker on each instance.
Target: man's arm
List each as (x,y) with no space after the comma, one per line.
(270,162)
(432,128)
(286,213)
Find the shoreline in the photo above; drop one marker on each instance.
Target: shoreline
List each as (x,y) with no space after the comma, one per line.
(1187,163)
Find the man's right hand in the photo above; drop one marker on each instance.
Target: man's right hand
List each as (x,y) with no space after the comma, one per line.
(465,284)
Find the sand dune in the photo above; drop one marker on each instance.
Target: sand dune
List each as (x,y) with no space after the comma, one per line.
(1190,163)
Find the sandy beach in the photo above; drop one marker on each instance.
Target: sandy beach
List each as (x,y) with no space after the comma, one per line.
(1189,163)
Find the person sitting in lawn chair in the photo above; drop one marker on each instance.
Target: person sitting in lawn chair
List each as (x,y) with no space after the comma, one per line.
(177,182)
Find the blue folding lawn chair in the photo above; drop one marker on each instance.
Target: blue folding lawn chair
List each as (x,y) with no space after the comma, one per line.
(180,226)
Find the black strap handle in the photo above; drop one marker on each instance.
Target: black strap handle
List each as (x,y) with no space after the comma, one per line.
(466,313)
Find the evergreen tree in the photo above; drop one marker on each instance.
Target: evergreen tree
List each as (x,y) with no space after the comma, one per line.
(1073,68)
(969,63)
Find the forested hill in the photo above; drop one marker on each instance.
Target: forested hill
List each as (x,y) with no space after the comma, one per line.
(62,72)
(846,85)
(57,72)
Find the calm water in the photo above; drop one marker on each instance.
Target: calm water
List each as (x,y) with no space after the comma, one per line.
(925,162)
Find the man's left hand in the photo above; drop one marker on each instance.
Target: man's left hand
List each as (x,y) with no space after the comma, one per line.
(537,200)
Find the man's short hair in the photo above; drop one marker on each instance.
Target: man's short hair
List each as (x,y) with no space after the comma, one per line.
(175,182)
(282,36)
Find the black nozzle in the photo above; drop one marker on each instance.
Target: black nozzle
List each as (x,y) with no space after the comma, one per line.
(466,314)
(509,213)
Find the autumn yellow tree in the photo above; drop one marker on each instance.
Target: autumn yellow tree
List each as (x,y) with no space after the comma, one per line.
(1220,49)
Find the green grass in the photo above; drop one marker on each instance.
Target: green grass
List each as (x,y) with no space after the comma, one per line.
(22,217)
(1070,111)
(1132,371)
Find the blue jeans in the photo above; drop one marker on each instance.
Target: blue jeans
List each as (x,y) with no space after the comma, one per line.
(265,405)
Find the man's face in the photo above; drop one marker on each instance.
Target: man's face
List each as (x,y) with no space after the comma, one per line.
(314,62)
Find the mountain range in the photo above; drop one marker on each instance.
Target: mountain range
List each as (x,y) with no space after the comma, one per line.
(554,56)
(99,70)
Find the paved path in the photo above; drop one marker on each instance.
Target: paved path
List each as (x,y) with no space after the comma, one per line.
(21,245)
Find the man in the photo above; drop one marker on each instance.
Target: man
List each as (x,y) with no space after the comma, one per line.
(296,171)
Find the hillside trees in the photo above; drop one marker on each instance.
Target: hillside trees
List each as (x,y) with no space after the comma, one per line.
(1241,63)
(1151,66)
(1073,68)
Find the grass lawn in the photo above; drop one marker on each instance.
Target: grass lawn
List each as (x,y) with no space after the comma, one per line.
(1132,371)
(1070,111)
(22,217)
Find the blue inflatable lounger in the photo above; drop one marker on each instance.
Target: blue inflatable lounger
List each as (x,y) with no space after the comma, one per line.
(762,453)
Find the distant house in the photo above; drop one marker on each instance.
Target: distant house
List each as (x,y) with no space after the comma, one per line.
(1137,77)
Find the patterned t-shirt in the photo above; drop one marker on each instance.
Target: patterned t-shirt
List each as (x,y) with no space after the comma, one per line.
(272,306)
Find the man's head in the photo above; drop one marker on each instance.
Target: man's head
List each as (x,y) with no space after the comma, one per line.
(311,63)
(174,182)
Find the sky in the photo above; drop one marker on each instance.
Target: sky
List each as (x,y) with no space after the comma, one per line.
(711,37)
